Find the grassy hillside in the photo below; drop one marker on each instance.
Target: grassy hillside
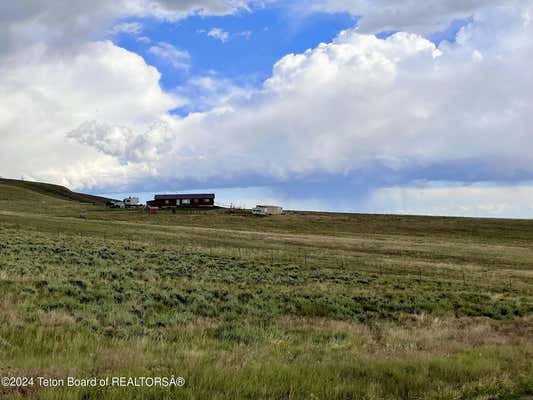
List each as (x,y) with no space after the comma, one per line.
(300,306)
(57,191)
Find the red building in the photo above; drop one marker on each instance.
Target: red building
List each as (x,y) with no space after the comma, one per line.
(182,200)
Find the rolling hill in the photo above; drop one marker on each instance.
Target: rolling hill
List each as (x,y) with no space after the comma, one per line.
(56,191)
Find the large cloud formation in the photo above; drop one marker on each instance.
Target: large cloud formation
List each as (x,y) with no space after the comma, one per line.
(57,70)
(396,110)
(45,91)
(361,103)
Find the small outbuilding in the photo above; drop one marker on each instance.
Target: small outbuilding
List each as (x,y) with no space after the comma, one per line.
(267,210)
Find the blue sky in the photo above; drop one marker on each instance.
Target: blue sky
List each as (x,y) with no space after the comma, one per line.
(257,39)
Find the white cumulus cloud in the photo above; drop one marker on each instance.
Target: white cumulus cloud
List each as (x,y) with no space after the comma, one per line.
(131,28)
(179,59)
(44,93)
(219,34)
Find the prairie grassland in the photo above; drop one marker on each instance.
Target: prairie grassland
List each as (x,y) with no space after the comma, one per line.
(306,305)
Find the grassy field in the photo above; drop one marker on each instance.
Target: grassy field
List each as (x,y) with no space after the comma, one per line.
(299,306)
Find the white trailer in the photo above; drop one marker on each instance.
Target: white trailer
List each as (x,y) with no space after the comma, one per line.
(267,210)
(131,202)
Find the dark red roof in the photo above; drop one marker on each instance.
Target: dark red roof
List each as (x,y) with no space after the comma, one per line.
(183,196)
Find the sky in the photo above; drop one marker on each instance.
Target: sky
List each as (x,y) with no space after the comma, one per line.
(380,106)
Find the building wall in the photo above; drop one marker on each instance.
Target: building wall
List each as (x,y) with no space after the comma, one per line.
(199,202)
(274,210)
